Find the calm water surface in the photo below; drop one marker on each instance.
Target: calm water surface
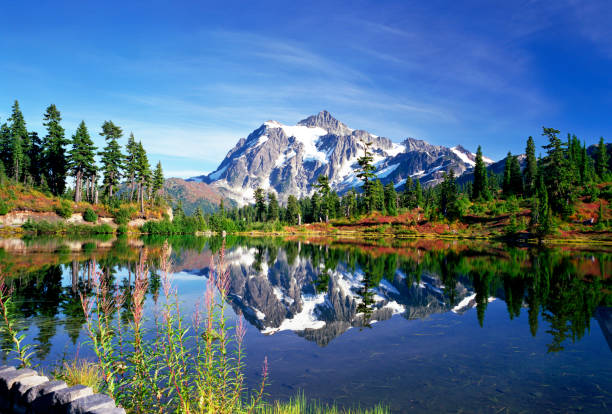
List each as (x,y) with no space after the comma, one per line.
(424,326)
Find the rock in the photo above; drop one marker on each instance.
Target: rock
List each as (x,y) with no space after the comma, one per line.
(66,395)
(9,377)
(89,403)
(41,390)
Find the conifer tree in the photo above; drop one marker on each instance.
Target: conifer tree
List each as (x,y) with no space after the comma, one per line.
(586,168)
(448,201)
(112,158)
(81,158)
(481,186)
(506,184)
(531,169)
(6,142)
(418,193)
(54,151)
(293,210)
(18,143)
(273,209)
(365,172)
(601,166)
(557,174)
(516,178)
(131,163)
(324,189)
(391,199)
(143,173)
(260,204)
(378,197)
(349,204)
(35,157)
(158,178)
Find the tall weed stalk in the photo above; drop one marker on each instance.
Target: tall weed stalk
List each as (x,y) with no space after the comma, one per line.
(171,366)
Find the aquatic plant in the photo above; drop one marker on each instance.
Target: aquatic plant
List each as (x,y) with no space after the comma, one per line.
(170,367)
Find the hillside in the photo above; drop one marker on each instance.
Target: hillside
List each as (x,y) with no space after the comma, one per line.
(194,194)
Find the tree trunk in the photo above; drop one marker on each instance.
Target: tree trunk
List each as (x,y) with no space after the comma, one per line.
(77,186)
(141,195)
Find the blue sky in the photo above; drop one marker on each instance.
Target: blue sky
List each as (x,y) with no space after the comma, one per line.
(191,78)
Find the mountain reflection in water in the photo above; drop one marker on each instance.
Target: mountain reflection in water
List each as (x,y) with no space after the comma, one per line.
(320,291)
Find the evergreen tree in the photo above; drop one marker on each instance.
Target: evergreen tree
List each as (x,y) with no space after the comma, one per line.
(531,169)
(143,173)
(390,199)
(365,172)
(273,209)
(35,157)
(112,158)
(516,178)
(260,204)
(131,163)
(418,194)
(378,197)
(506,183)
(54,151)
(81,158)
(349,204)
(601,165)
(293,210)
(18,144)
(586,168)
(158,178)
(557,174)
(6,144)
(324,190)
(480,188)
(448,201)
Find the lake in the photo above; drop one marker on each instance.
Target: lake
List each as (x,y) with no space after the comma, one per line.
(421,325)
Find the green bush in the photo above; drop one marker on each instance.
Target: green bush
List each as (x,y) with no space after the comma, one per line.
(123,215)
(4,207)
(122,229)
(64,209)
(90,216)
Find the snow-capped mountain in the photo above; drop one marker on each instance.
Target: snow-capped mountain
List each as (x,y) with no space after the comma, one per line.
(288,159)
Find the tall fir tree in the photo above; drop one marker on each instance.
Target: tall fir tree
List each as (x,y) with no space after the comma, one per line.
(448,199)
(158,178)
(260,204)
(365,172)
(81,159)
(601,165)
(516,178)
(131,163)
(506,184)
(293,210)
(111,157)
(54,151)
(324,190)
(6,142)
(480,188)
(557,174)
(19,142)
(143,174)
(390,199)
(273,208)
(531,168)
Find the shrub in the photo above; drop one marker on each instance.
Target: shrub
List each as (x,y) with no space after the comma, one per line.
(90,216)
(4,207)
(64,209)
(122,229)
(123,215)
(80,372)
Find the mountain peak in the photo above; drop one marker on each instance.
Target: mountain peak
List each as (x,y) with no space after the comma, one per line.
(326,121)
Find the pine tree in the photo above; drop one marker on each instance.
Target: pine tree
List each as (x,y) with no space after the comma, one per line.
(324,189)
(35,157)
(516,178)
(557,174)
(531,169)
(601,166)
(81,158)
(6,141)
(273,209)
(143,173)
(112,158)
(448,202)
(54,151)
(365,172)
(391,199)
(481,185)
(378,197)
(131,163)
(349,204)
(293,210)
(506,184)
(18,143)
(418,194)
(158,178)
(260,204)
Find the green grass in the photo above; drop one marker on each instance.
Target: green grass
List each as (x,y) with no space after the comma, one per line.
(300,405)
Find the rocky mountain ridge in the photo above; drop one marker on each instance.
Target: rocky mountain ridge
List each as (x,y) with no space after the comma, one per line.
(288,159)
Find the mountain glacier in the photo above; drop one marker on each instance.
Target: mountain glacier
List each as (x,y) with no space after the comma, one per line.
(288,159)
